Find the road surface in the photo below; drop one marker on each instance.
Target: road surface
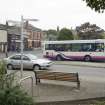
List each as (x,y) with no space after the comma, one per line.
(87,73)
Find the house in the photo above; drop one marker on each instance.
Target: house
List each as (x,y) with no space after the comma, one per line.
(32,36)
(14,38)
(35,36)
(3,41)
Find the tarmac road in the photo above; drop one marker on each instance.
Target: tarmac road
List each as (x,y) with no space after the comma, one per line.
(94,71)
(87,73)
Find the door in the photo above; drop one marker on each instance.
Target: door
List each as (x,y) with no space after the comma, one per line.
(15,61)
(27,64)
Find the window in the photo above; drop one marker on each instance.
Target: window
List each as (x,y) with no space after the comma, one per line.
(16,57)
(99,47)
(87,47)
(58,47)
(76,47)
(49,46)
(25,58)
(17,37)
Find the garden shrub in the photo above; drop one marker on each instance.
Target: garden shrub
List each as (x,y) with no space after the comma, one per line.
(11,94)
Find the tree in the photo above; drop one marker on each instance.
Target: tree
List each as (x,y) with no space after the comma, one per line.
(103,36)
(97,5)
(89,31)
(51,34)
(65,34)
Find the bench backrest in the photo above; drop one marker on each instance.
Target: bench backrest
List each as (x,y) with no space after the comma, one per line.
(44,75)
(73,77)
(66,76)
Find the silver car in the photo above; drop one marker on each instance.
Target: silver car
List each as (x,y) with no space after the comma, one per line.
(29,62)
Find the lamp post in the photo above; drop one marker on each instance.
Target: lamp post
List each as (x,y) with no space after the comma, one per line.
(22,24)
(22,38)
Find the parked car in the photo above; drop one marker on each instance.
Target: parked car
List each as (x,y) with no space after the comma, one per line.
(29,62)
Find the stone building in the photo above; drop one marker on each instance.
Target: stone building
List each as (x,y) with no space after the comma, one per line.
(32,37)
(3,41)
(35,36)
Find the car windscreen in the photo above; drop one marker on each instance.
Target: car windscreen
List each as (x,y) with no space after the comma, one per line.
(32,57)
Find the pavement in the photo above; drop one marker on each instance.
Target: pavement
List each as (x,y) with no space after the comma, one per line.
(55,91)
(49,92)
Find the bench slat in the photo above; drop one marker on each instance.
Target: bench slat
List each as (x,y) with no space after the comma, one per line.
(64,75)
(61,73)
(66,78)
(45,77)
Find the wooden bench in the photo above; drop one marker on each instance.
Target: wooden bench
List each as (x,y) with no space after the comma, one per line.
(60,76)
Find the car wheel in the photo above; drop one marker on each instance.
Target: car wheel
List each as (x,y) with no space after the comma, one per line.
(9,67)
(87,58)
(36,67)
(58,58)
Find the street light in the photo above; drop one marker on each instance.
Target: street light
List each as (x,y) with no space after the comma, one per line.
(22,27)
(22,38)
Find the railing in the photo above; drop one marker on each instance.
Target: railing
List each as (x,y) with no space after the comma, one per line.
(28,77)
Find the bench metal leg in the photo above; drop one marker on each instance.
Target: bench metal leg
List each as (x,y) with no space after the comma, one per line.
(78,84)
(37,80)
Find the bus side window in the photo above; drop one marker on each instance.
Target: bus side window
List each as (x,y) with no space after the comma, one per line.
(99,47)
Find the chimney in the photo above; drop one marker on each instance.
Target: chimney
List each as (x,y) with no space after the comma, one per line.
(26,24)
(6,23)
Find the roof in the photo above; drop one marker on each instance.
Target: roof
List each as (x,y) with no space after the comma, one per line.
(75,41)
(31,27)
(17,29)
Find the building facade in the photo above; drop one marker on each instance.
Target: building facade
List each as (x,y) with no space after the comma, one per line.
(3,41)
(14,39)
(32,37)
(35,37)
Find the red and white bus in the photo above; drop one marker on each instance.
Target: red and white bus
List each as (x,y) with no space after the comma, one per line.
(86,50)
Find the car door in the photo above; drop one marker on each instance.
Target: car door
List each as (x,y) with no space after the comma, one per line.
(15,61)
(27,64)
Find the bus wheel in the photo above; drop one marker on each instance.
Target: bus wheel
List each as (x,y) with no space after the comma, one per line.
(87,58)
(58,58)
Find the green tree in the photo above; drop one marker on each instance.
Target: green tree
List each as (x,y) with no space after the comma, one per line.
(102,36)
(89,31)
(65,34)
(97,5)
(51,32)
(76,37)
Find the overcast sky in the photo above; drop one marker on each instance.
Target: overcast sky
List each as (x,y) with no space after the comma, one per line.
(51,13)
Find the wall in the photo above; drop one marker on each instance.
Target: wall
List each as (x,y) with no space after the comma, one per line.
(3,41)
(3,36)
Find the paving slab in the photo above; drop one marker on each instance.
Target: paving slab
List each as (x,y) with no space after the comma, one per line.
(47,92)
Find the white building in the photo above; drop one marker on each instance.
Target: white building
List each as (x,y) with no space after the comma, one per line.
(3,41)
